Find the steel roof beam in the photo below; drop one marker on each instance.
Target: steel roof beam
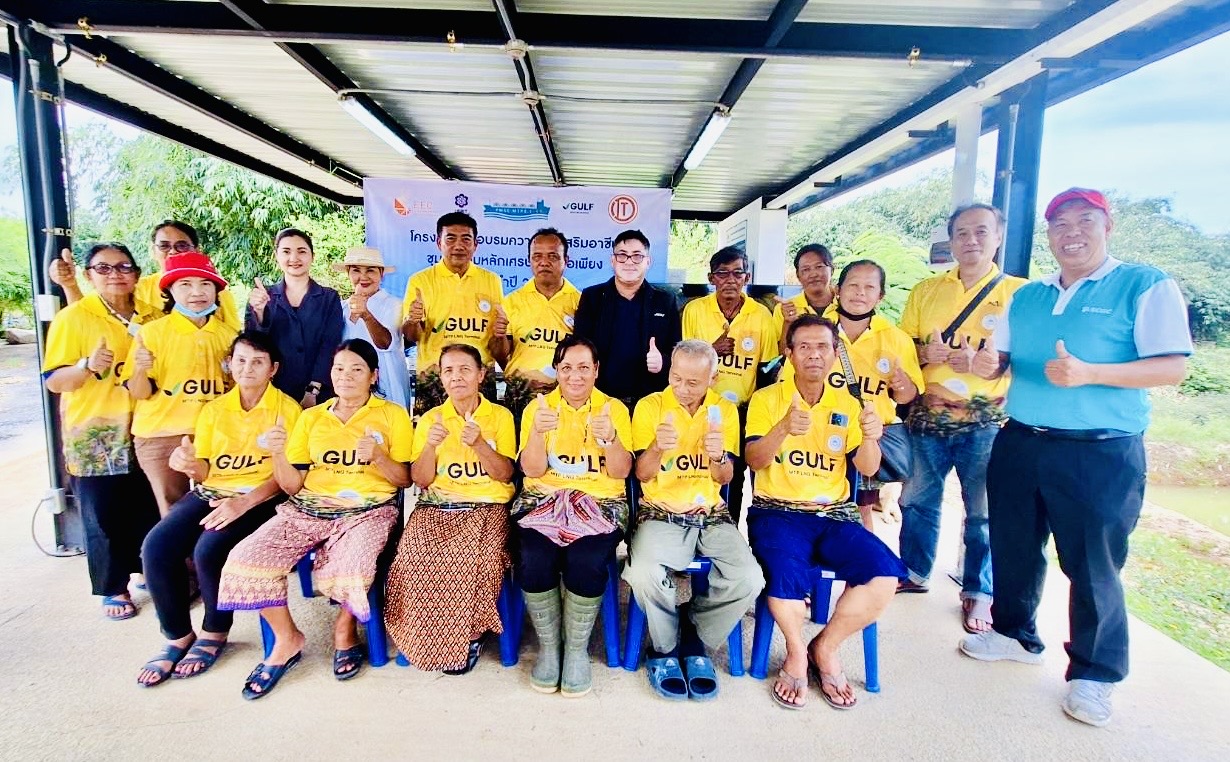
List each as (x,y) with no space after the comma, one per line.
(323,23)
(509,17)
(254,14)
(109,107)
(783,15)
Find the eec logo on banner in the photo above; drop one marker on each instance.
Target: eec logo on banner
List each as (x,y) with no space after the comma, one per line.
(412,207)
(622,209)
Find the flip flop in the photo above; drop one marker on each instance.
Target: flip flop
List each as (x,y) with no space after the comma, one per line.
(972,609)
(173,654)
(702,678)
(798,684)
(199,655)
(130,608)
(266,677)
(666,678)
(838,681)
(348,657)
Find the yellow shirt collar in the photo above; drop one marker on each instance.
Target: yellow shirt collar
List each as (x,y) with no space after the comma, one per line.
(531,290)
(182,324)
(952,275)
(596,400)
(484,407)
(442,271)
(268,401)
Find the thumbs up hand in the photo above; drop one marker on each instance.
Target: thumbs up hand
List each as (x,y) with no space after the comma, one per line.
(358,307)
(601,425)
(961,359)
(274,440)
(935,351)
(545,417)
(986,361)
(417,312)
(63,271)
(666,437)
(899,381)
(471,433)
(258,298)
(500,326)
(438,431)
(1066,370)
(798,417)
(101,358)
(724,345)
(789,311)
(869,421)
(365,447)
(653,358)
(183,458)
(143,359)
(713,442)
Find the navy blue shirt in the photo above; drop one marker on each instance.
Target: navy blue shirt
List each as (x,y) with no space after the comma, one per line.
(306,336)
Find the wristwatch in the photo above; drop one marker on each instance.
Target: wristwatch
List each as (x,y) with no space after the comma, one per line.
(313,388)
(604,442)
(84,363)
(720,461)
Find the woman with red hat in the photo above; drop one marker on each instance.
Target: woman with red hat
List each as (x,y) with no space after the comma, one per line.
(174,367)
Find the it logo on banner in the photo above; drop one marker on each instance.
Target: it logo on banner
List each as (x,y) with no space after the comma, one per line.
(623,209)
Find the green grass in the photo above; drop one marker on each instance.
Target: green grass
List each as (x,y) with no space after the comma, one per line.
(1208,505)
(1174,587)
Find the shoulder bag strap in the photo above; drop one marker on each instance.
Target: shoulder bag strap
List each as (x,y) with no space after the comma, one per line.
(847,367)
(951,330)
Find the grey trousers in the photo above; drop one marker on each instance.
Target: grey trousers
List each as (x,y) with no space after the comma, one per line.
(658,548)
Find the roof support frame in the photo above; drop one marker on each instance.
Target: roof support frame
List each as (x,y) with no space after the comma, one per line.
(507,12)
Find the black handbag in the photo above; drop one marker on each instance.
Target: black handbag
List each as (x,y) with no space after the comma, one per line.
(896,449)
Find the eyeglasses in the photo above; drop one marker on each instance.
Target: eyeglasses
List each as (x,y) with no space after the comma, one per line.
(622,257)
(725,274)
(179,246)
(124,268)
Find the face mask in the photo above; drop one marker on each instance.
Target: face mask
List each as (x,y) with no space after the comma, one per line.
(852,316)
(211,309)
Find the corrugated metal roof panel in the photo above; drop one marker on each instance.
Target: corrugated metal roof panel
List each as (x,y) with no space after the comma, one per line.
(748,10)
(447,5)
(488,137)
(1021,14)
(793,115)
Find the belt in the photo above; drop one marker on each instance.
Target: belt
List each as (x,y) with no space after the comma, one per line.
(1077,435)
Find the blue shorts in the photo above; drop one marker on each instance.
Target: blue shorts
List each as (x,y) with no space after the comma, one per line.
(791,545)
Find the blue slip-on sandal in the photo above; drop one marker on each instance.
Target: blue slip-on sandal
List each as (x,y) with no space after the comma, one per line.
(130,608)
(266,677)
(199,654)
(352,657)
(702,678)
(666,678)
(173,654)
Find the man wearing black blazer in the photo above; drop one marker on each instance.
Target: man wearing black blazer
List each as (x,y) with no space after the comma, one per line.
(634,325)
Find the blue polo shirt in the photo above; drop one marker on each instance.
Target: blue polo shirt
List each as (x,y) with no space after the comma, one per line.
(1119,313)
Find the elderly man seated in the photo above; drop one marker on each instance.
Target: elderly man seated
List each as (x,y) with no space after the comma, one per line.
(687,437)
(799,432)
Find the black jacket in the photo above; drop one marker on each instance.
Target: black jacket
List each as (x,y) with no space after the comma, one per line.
(306,337)
(660,318)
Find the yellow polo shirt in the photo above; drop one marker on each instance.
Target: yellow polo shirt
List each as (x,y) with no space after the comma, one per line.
(459,309)
(872,354)
(460,476)
(808,470)
(933,304)
(229,438)
(96,419)
(148,291)
(536,324)
(755,342)
(573,443)
(683,483)
(326,447)
(187,373)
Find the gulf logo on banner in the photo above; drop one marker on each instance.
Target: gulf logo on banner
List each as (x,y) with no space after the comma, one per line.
(401,221)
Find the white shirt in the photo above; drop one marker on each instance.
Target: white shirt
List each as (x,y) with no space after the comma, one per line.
(394,384)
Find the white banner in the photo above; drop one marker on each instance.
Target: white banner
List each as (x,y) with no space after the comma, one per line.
(401,222)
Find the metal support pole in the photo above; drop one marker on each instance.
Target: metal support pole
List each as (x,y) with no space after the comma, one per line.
(965,155)
(1018,156)
(38,92)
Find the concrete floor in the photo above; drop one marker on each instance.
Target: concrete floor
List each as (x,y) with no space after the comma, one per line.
(67,691)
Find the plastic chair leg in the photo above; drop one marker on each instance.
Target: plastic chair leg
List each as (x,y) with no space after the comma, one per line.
(634,634)
(510,642)
(267,638)
(871,657)
(610,617)
(377,640)
(762,638)
(304,567)
(734,650)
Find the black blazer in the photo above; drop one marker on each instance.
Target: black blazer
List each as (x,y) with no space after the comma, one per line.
(305,337)
(660,318)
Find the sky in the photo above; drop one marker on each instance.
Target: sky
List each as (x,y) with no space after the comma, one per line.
(1163,130)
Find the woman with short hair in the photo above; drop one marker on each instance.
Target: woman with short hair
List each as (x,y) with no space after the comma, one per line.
(450,564)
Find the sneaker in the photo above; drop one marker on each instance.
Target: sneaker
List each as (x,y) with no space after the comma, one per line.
(1089,702)
(991,646)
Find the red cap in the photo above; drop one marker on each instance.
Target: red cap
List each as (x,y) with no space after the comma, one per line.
(1091,197)
(189,264)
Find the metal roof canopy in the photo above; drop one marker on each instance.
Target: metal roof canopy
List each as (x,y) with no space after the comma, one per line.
(822,94)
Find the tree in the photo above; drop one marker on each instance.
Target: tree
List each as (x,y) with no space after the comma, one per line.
(691,246)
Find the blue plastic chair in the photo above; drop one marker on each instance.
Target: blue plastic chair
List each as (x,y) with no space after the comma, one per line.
(512,615)
(634,630)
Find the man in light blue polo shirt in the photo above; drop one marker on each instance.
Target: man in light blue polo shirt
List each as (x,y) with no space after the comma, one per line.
(1083,345)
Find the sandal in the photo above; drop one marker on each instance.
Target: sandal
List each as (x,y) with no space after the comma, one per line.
(838,682)
(975,610)
(476,649)
(666,678)
(199,654)
(348,662)
(797,684)
(129,609)
(909,586)
(702,678)
(173,654)
(266,677)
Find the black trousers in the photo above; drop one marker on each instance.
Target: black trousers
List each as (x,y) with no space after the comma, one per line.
(581,564)
(179,537)
(116,512)
(1088,495)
